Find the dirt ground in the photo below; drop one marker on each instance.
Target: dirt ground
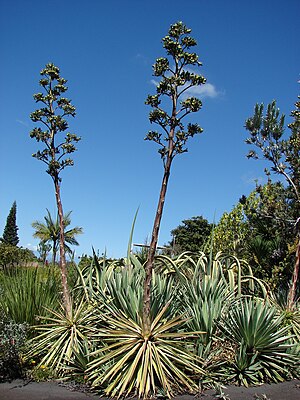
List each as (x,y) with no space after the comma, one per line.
(21,390)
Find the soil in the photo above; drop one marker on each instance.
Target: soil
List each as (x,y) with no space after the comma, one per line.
(24,390)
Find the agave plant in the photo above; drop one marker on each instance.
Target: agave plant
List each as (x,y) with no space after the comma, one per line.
(78,363)
(235,272)
(244,367)
(126,358)
(135,361)
(121,282)
(93,278)
(290,316)
(125,291)
(263,345)
(206,300)
(208,285)
(62,339)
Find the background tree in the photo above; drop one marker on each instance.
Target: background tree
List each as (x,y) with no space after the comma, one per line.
(51,116)
(191,235)
(49,233)
(177,78)
(10,233)
(231,232)
(267,135)
(43,249)
(249,233)
(13,256)
(292,152)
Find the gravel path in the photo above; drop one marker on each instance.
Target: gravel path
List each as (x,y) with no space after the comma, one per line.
(21,390)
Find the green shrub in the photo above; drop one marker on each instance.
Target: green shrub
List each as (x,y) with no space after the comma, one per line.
(12,339)
(13,256)
(25,292)
(263,346)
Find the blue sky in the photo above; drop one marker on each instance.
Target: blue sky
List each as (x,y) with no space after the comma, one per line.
(106,49)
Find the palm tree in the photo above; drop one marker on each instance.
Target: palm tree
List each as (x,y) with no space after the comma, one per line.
(43,250)
(49,232)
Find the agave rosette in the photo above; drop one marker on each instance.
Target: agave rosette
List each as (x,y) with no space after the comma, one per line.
(143,362)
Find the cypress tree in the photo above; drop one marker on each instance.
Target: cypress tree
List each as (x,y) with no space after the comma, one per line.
(10,233)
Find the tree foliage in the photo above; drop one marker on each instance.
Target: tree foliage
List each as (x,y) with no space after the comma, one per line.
(252,230)
(191,235)
(283,154)
(43,249)
(12,256)
(231,231)
(10,233)
(267,135)
(49,233)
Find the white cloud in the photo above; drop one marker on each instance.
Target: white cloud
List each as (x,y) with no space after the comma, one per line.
(31,247)
(142,59)
(22,123)
(202,91)
(207,90)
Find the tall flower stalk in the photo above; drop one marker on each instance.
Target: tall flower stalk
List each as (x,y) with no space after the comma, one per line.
(52,118)
(177,78)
